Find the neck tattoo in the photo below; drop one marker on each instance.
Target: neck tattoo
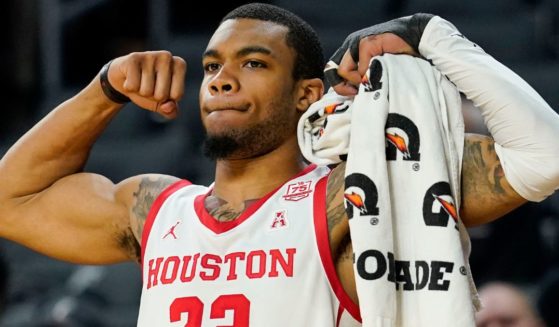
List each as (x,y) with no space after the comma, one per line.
(222,210)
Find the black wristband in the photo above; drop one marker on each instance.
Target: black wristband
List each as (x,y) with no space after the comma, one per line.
(108,89)
(409,28)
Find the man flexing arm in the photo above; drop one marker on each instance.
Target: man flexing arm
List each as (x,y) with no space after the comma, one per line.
(52,207)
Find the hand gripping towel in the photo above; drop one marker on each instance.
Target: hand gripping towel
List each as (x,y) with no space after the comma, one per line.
(402,136)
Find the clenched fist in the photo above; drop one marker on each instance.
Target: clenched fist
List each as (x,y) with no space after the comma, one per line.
(153,80)
(349,63)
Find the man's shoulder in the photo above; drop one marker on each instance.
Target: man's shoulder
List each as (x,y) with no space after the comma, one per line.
(141,191)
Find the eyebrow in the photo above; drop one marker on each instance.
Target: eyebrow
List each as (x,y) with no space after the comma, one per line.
(241,53)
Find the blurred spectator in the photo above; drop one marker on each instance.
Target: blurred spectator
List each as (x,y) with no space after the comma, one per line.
(505,305)
(548,301)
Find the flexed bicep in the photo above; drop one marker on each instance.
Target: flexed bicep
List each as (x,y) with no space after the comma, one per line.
(82,218)
(76,219)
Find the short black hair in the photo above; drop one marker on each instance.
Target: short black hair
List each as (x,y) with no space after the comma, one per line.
(309,60)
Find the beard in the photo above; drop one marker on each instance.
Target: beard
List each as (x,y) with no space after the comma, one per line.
(253,140)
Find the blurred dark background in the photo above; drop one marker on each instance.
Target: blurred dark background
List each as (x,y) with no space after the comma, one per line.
(53,48)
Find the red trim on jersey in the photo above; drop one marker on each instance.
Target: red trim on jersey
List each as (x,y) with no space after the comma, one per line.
(219,227)
(321,230)
(154,210)
(339,317)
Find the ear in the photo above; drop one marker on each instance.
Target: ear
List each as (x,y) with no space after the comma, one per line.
(309,91)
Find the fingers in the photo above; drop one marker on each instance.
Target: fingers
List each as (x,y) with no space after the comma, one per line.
(369,47)
(346,89)
(147,81)
(177,80)
(153,80)
(347,70)
(163,72)
(168,109)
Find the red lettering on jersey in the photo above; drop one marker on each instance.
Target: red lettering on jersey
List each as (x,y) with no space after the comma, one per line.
(214,267)
(173,262)
(261,266)
(207,267)
(153,272)
(185,260)
(286,265)
(280,219)
(232,257)
(297,191)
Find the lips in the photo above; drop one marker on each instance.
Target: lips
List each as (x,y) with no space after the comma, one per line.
(227,106)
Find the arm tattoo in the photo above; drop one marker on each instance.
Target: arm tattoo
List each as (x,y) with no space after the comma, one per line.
(145,195)
(335,214)
(486,193)
(335,211)
(498,173)
(482,171)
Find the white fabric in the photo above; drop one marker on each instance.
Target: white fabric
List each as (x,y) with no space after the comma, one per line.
(401,222)
(325,119)
(523,125)
(193,266)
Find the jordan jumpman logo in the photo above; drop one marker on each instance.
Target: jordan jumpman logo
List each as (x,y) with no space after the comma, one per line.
(172,231)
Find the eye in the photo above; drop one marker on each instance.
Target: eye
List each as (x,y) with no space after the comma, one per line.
(255,64)
(211,67)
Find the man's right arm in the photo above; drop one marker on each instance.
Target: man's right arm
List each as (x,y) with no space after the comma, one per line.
(47,205)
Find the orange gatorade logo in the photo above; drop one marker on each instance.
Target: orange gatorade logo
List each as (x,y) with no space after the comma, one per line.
(330,109)
(356,200)
(402,138)
(400,144)
(439,206)
(447,206)
(336,108)
(360,193)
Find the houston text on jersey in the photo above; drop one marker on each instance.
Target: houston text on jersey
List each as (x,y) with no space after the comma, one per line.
(208,267)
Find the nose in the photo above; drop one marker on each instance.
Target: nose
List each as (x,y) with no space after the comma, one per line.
(223,83)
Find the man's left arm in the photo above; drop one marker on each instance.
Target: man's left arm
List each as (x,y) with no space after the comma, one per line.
(521,160)
(486,192)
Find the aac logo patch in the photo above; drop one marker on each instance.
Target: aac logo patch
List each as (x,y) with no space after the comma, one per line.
(279,220)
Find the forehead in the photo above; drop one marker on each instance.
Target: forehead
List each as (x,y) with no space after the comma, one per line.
(235,34)
(503,299)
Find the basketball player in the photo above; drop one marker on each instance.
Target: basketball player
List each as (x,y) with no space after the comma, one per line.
(268,243)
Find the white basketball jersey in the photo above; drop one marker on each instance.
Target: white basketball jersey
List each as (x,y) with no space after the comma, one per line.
(270,267)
